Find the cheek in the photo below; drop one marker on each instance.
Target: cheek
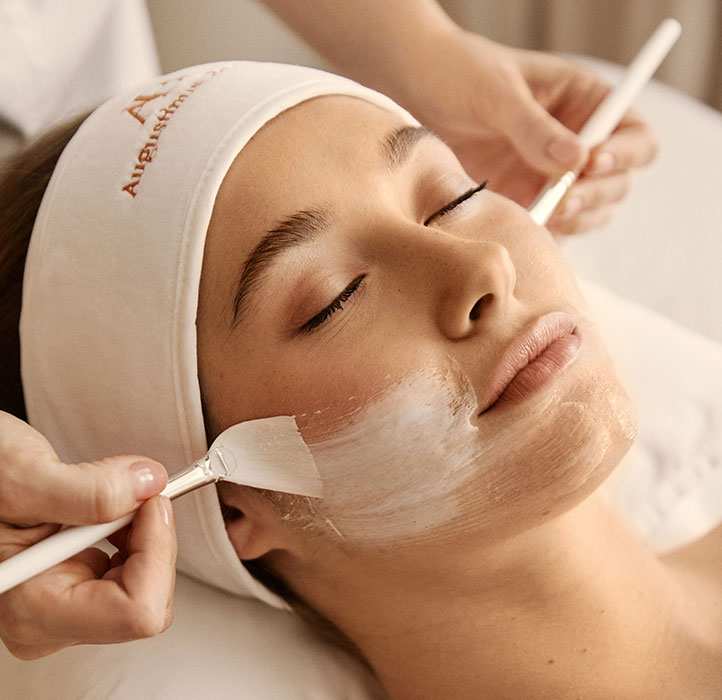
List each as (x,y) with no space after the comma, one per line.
(334,393)
(542,270)
(321,382)
(416,465)
(390,466)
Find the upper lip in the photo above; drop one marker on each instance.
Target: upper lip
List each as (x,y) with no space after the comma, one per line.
(524,349)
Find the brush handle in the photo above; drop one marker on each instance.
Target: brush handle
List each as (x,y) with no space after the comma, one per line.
(68,542)
(611,111)
(54,549)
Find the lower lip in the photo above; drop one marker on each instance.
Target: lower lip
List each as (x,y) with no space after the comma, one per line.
(552,362)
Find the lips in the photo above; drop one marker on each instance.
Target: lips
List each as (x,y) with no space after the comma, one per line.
(533,359)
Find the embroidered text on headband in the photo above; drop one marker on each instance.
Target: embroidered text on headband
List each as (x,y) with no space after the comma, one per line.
(111,281)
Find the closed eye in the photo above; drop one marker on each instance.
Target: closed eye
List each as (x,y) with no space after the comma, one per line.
(336,305)
(456,202)
(339,302)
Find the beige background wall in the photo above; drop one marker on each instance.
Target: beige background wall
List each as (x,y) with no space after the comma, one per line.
(194,31)
(197,31)
(610,29)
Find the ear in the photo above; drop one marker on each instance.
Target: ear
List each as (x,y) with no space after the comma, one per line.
(253,523)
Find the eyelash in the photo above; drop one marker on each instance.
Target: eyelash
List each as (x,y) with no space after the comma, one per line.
(338,303)
(455,203)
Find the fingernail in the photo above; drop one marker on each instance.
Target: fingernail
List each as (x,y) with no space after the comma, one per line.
(572,206)
(167,509)
(148,478)
(603,163)
(563,151)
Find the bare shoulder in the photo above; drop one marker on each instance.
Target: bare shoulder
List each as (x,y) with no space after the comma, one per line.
(698,566)
(704,554)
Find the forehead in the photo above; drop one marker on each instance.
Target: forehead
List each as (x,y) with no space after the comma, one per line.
(313,143)
(320,151)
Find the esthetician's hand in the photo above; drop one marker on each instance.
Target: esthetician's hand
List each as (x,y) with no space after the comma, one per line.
(510,115)
(90,598)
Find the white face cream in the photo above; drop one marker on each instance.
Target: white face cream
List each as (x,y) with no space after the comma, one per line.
(418,463)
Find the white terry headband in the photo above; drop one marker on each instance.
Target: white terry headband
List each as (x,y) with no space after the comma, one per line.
(108,336)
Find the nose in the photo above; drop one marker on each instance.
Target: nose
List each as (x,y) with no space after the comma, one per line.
(478,279)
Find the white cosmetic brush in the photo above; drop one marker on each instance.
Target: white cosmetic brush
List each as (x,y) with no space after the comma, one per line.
(268,453)
(610,112)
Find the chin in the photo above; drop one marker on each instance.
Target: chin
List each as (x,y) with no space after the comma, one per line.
(547,455)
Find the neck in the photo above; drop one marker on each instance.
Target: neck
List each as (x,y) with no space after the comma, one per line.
(578,607)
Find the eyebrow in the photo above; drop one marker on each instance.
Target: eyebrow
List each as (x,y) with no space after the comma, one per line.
(295,230)
(399,143)
(303,226)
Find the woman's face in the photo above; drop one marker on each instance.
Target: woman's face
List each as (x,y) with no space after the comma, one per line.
(381,301)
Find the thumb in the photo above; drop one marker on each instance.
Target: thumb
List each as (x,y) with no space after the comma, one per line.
(91,492)
(541,141)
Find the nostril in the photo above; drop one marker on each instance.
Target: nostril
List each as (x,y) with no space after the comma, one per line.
(480,303)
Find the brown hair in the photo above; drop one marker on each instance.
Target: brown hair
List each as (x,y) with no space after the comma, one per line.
(23,182)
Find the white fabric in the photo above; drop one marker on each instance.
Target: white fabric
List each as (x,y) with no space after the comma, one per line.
(669,485)
(219,647)
(58,57)
(110,294)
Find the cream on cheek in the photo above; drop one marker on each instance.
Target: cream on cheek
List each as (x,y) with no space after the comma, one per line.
(415,463)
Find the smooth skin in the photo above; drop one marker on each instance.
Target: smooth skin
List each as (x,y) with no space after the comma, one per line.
(554,597)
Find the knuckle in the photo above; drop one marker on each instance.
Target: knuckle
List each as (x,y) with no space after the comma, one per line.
(13,539)
(148,622)
(25,652)
(602,217)
(624,186)
(169,617)
(5,507)
(17,630)
(642,152)
(613,189)
(652,149)
(105,498)
(575,227)
(11,495)
(595,198)
(17,650)
(562,228)
(14,651)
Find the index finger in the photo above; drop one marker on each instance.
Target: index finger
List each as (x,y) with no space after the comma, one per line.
(35,486)
(47,490)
